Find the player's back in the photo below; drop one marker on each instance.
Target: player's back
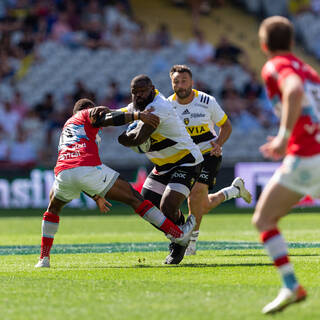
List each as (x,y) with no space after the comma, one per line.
(78,143)
(305,138)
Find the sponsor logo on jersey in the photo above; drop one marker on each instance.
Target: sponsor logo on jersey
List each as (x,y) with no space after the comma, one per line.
(179,175)
(186,121)
(196,130)
(197,115)
(186,112)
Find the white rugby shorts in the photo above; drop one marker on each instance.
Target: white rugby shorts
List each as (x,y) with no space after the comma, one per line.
(300,174)
(69,183)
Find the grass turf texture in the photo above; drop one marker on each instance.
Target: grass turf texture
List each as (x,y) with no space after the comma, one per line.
(214,284)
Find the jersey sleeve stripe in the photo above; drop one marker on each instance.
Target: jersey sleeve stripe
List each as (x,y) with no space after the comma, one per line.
(124,109)
(222,121)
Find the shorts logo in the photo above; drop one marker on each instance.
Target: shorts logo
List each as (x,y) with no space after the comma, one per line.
(104,180)
(179,175)
(186,121)
(204,176)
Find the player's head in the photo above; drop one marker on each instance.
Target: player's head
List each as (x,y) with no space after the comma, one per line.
(181,80)
(142,91)
(83,104)
(276,34)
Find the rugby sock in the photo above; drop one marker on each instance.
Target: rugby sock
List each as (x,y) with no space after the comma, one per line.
(50,225)
(194,236)
(278,252)
(230,192)
(152,214)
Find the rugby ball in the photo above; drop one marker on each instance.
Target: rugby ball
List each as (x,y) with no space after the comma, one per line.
(145,146)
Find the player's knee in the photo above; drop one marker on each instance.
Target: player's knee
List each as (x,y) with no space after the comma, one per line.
(170,211)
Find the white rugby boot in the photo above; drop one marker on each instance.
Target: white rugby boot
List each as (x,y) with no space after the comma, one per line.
(187,229)
(192,249)
(284,299)
(43,263)
(243,192)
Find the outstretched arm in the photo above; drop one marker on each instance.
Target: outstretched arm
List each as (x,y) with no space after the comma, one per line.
(101,117)
(136,136)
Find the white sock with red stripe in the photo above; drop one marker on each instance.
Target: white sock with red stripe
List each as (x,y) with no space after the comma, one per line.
(278,252)
(153,215)
(50,224)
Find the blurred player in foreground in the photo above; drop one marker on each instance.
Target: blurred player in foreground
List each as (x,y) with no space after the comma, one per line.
(200,112)
(79,169)
(295,86)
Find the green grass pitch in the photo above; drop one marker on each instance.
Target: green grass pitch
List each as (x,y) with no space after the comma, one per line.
(111,267)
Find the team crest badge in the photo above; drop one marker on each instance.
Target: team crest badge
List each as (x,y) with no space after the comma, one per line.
(186,121)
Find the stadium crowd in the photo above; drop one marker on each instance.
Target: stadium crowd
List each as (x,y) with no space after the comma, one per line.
(29,127)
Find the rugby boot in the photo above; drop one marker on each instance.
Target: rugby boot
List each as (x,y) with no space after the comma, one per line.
(180,245)
(43,263)
(284,299)
(243,192)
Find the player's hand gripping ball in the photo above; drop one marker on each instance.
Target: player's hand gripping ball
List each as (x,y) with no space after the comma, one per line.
(145,146)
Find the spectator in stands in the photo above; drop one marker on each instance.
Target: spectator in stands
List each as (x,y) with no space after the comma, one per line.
(141,38)
(228,53)
(45,108)
(233,104)
(113,98)
(62,31)
(228,87)
(118,37)
(74,16)
(22,151)
(92,12)
(162,37)
(253,87)
(82,92)
(4,147)
(6,68)
(9,120)
(19,105)
(27,43)
(199,51)
(94,32)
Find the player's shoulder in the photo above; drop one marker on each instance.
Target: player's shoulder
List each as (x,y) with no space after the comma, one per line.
(173,97)
(205,99)
(128,108)
(160,104)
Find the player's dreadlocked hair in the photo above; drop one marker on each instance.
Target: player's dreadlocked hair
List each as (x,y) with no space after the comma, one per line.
(83,104)
(180,68)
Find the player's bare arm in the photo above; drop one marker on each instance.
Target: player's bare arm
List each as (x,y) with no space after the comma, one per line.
(224,134)
(99,118)
(292,94)
(137,136)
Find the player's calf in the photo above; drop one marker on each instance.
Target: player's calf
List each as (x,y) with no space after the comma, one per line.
(50,224)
